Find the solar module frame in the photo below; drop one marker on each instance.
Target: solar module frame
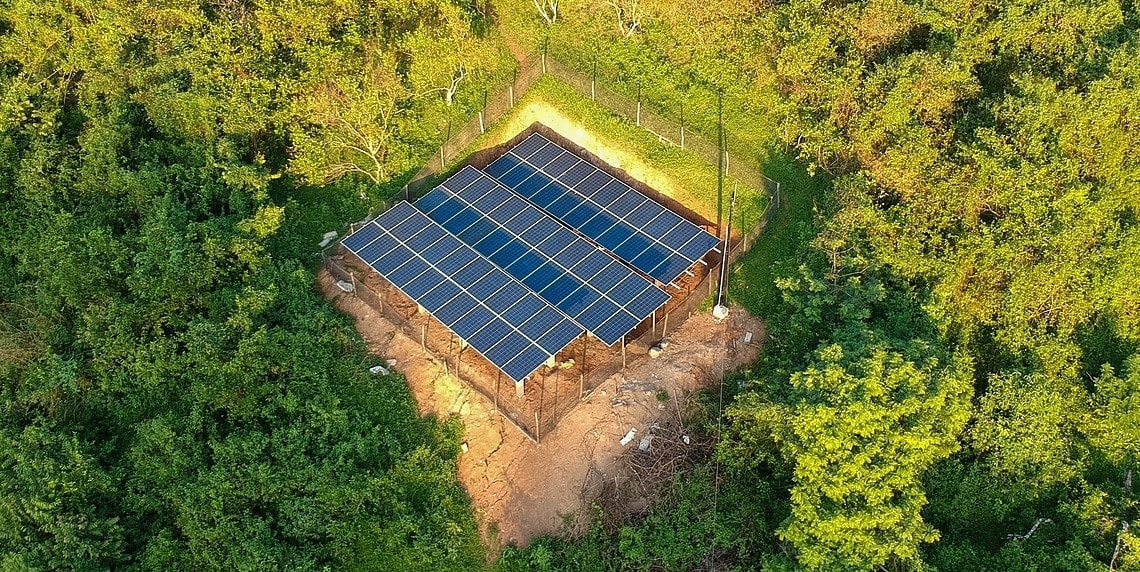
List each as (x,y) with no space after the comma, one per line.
(442,284)
(565,269)
(634,227)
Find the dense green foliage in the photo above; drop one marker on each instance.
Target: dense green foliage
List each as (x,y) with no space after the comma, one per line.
(954,318)
(949,284)
(175,396)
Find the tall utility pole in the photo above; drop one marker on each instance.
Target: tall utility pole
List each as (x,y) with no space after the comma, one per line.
(720,311)
(719,159)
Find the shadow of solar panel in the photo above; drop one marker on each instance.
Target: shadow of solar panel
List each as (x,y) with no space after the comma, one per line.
(580,214)
(558,290)
(561,207)
(532,185)
(444,211)
(476,232)
(542,277)
(431,200)
(527,263)
(546,195)
(578,301)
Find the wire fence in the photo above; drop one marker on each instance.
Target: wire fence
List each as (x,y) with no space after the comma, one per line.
(536,406)
(737,156)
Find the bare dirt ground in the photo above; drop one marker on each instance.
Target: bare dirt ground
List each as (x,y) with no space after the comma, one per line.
(521,490)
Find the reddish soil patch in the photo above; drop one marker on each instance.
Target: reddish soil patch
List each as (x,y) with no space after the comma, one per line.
(521,489)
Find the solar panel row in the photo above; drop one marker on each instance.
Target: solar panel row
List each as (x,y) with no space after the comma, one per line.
(637,229)
(598,292)
(499,317)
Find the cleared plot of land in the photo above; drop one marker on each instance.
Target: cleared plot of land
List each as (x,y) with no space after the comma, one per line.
(521,489)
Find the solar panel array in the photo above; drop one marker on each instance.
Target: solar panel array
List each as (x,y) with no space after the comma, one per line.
(637,229)
(500,318)
(601,294)
(512,259)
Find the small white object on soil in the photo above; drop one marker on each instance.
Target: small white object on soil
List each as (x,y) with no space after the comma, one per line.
(391,362)
(747,337)
(685,438)
(379,370)
(644,444)
(655,352)
(329,237)
(720,312)
(663,344)
(463,446)
(346,286)
(628,436)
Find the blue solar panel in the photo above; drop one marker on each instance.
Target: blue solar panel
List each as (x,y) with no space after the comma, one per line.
(521,362)
(465,291)
(362,237)
(580,214)
(543,156)
(440,295)
(500,166)
(379,247)
(608,194)
(517,175)
(661,232)
(537,325)
(573,175)
(557,166)
(423,283)
(548,194)
(491,333)
(544,254)
(551,337)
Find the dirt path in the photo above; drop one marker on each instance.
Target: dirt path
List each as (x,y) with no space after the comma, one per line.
(520,489)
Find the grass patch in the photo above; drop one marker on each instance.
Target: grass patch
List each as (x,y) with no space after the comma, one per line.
(752,282)
(664,167)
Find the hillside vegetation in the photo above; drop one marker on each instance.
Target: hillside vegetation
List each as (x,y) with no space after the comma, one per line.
(952,380)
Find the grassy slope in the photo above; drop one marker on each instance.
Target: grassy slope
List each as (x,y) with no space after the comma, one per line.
(615,139)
